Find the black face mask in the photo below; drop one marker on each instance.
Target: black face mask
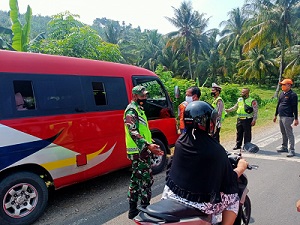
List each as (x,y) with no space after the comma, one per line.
(213,94)
(141,101)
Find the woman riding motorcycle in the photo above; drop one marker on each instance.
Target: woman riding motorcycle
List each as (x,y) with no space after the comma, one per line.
(201,174)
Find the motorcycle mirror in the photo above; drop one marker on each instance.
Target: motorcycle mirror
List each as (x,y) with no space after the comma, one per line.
(250,147)
(253,167)
(176,92)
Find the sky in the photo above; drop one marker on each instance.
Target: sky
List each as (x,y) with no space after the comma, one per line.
(148,14)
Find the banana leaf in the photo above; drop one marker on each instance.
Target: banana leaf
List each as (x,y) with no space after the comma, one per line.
(21,34)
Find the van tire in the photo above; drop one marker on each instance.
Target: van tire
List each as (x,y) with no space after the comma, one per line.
(159,162)
(28,189)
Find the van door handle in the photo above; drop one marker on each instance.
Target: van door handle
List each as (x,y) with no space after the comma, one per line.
(79,110)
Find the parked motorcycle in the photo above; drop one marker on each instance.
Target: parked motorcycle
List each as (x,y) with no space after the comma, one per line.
(172,212)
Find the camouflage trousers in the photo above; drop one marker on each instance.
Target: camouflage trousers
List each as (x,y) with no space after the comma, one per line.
(141,181)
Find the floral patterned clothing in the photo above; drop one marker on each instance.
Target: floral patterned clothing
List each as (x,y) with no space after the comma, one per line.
(229,202)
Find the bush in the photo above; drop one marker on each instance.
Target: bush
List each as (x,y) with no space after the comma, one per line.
(230,94)
(257,98)
(170,83)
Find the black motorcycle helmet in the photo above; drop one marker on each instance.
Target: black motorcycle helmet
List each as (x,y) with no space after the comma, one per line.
(200,115)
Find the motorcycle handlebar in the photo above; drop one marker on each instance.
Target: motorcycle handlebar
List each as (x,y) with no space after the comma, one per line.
(234,159)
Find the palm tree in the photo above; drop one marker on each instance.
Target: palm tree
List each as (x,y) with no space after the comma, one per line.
(273,26)
(112,32)
(191,26)
(174,61)
(293,67)
(151,47)
(209,65)
(232,32)
(258,65)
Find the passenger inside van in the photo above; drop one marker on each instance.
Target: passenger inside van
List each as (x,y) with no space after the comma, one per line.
(165,113)
(20,102)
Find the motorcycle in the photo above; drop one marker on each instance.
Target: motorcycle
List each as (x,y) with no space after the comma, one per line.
(172,212)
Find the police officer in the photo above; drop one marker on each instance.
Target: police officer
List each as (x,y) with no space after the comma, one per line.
(218,104)
(247,109)
(139,149)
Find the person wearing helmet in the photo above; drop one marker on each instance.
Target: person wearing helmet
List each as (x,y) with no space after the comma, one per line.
(201,174)
(139,149)
(287,109)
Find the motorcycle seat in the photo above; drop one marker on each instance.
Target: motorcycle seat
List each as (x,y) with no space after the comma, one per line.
(172,211)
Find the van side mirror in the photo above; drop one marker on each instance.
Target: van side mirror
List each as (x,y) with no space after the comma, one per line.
(177,92)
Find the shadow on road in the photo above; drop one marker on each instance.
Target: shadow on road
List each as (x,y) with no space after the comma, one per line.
(268,152)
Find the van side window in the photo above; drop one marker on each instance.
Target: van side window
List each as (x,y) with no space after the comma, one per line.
(24,95)
(99,93)
(59,94)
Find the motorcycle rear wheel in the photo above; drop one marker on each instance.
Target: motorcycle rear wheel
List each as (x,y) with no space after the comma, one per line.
(244,215)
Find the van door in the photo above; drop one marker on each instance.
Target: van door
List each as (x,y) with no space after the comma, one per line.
(106,99)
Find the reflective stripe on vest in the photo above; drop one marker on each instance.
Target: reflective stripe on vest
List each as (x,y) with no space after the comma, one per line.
(241,107)
(142,128)
(214,104)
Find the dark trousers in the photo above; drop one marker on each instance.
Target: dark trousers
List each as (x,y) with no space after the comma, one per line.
(243,131)
(216,135)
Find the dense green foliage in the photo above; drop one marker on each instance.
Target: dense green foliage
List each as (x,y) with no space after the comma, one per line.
(170,83)
(258,44)
(70,37)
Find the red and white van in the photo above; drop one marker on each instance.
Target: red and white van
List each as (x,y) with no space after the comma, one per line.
(61,122)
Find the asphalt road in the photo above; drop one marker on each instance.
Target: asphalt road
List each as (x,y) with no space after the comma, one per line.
(274,189)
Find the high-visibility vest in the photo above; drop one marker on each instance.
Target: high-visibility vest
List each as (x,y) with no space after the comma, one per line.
(214,104)
(241,107)
(143,129)
(181,108)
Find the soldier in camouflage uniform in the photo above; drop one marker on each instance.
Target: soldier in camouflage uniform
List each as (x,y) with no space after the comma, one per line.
(139,149)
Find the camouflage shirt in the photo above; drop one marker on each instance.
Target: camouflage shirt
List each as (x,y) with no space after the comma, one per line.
(131,121)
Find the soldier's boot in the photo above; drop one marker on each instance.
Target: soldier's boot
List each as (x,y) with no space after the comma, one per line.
(133,211)
(144,204)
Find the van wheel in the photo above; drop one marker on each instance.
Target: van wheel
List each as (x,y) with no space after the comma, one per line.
(159,162)
(24,197)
